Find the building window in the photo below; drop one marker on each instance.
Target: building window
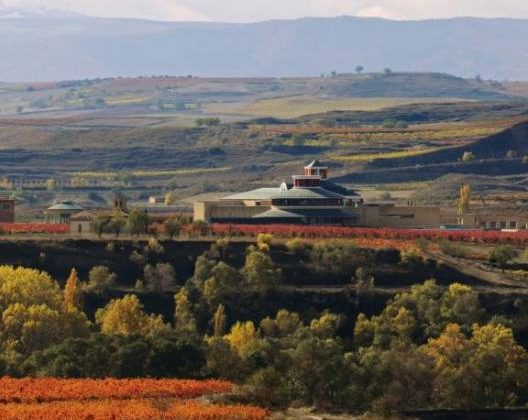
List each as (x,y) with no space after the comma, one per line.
(513,225)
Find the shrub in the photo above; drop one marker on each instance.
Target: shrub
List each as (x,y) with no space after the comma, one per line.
(154,247)
(160,278)
(264,241)
(501,255)
(297,246)
(100,279)
(468,157)
(452,249)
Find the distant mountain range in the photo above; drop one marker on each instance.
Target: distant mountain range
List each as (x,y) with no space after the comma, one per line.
(56,46)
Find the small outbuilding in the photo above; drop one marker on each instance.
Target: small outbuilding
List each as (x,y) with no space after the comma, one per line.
(7,210)
(61,213)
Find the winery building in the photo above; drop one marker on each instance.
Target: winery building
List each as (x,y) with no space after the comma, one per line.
(312,199)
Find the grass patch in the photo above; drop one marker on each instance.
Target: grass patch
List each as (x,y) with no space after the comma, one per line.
(388,155)
(148,173)
(296,106)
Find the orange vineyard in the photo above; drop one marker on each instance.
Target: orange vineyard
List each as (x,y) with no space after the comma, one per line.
(129,410)
(135,399)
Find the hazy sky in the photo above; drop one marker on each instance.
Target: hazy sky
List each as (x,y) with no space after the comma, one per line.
(255,10)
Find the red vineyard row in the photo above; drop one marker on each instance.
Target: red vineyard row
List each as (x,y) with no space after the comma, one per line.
(153,409)
(34,228)
(29,390)
(320,232)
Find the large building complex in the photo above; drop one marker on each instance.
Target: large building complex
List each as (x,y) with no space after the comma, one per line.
(312,199)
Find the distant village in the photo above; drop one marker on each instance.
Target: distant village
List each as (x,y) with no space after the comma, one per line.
(310,198)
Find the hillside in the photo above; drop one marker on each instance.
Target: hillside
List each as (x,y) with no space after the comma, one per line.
(87,154)
(43,48)
(499,154)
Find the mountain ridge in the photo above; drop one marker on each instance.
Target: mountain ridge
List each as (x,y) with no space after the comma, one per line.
(45,48)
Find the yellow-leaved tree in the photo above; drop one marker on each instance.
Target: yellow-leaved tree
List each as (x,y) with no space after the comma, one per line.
(484,371)
(73,294)
(243,338)
(33,313)
(126,316)
(184,320)
(464,200)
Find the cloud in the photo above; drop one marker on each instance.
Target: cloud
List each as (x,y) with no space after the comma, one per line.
(380,12)
(255,10)
(146,9)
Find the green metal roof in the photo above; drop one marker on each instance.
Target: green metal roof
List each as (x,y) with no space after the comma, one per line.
(66,205)
(270,193)
(304,213)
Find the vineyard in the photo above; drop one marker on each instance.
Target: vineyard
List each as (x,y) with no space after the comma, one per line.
(322,232)
(133,399)
(34,228)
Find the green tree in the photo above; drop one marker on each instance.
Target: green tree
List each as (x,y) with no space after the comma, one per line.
(160,278)
(138,222)
(184,319)
(318,371)
(100,280)
(223,282)
(117,223)
(174,226)
(99,225)
(337,257)
(219,321)
(260,271)
(326,326)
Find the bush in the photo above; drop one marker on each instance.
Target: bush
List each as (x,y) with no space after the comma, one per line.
(298,246)
(340,258)
(100,279)
(138,258)
(154,247)
(468,157)
(501,255)
(452,249)
(264,241)
(160,278)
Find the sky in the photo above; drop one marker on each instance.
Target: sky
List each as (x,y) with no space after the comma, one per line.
(258,10)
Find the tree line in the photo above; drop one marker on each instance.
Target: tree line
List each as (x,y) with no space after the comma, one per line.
(430,347)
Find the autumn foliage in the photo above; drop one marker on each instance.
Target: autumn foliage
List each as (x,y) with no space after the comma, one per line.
(129,410)
(34,228)
(321,232)
(132,399)
(29,390)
